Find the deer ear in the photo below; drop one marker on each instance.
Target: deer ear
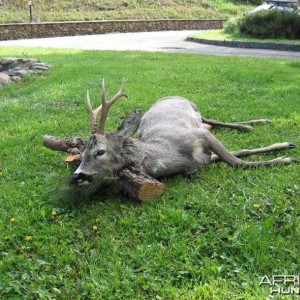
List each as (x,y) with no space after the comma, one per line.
(129,125)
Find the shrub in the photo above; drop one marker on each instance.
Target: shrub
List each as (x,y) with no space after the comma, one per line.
(271,24)
(231,25)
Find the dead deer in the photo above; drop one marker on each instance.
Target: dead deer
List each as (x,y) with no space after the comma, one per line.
(172,137)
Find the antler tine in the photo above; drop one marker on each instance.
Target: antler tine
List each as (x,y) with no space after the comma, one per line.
(106,104)
(103,94)
(93,113)
(120,93)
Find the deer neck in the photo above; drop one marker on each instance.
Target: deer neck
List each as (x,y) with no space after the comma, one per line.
(132,153)
(147,155)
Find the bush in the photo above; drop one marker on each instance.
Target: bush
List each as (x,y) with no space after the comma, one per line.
(231,25)
(271,24)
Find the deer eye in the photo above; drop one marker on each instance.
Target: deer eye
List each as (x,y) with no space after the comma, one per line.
(100,152)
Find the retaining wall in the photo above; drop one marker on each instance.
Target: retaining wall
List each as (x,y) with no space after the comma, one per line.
(52,29)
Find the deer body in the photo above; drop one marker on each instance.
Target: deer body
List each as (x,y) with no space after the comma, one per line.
(172,138)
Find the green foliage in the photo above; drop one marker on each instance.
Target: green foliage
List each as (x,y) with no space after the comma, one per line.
(210,236)
(231,25)
(63,10)
(271,24)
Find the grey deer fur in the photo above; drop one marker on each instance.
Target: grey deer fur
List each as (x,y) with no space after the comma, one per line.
(172,138)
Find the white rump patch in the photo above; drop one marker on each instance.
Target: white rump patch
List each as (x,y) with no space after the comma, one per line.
(198,153)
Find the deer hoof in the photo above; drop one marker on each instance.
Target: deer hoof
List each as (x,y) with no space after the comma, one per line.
(295,160)
(291,146)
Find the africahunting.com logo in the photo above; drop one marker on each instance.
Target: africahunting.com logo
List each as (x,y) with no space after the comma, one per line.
(282,284)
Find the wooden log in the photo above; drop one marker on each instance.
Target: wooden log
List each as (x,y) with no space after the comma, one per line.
(140,186)
(137,185)
(73,159)
(73,145)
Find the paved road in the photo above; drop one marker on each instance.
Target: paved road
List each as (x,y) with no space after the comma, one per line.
(167,41)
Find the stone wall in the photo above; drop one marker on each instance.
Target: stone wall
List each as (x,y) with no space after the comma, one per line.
(38,30)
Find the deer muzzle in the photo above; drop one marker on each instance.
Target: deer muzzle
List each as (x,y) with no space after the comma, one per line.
(81,179)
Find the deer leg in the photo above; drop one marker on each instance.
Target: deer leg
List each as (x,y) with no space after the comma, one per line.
(237,126)
(217,147)
(248,152)
(243,126)
(255,122)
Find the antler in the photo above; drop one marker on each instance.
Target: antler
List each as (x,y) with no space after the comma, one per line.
(103,108)
(106,104)
(93,113)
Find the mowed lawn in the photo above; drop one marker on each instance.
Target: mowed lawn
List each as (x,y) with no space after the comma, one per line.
(209,236)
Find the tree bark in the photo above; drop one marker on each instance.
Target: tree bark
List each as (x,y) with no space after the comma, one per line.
(73,145)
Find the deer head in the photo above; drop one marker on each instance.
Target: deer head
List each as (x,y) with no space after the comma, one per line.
(103,152)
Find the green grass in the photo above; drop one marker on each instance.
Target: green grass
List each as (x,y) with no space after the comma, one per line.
(223,36)
(64,10)
(210,236)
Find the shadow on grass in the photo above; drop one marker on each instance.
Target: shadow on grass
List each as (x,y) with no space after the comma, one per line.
(61,192)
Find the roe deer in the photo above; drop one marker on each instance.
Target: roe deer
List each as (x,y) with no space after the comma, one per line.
(172,138)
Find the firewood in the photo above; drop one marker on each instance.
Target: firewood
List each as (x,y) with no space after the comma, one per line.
(73,159)
(73,145)
(140,186)
(137,185)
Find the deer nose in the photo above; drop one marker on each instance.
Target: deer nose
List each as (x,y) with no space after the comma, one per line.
(81,179)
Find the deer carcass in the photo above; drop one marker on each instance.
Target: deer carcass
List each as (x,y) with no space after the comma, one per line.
(172,137)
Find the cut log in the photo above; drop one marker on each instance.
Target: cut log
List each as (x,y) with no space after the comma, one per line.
(139,186)
(73,145)
(73,159)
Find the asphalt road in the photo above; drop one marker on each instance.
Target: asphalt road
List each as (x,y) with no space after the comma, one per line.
(166,41)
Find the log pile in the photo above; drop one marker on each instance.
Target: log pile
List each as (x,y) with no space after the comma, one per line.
(136,184)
